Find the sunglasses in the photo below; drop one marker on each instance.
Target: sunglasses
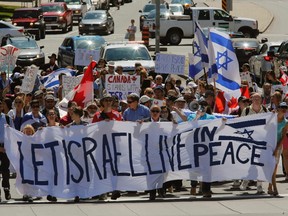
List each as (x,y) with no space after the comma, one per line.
(155,111)
(129,102)
(51,114)
(35,106)
(150,92)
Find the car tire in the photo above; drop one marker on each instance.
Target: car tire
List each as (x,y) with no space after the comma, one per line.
(247,32)
(163,41)
(112,32)
(174,37)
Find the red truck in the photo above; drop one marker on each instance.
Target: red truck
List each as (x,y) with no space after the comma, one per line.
(57,16)
(32,21)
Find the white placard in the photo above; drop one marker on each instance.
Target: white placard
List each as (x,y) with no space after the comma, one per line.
(245,76)
(70,82)
(170,64)
(122,85)
(28,82)
(82,56)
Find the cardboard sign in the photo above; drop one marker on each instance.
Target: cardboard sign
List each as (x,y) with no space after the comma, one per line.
(69,82)
(82,56)
(29,79)
(170,64)
(8,57)
(122,85)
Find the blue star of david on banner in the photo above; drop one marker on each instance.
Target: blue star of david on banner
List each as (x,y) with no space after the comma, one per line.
(226,58)
(196,49)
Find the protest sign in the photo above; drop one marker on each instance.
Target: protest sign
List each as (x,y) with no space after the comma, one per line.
(170,64)
(106,156)
(8,57)
(69,82)
(28,82)
(82,56)
(122,85)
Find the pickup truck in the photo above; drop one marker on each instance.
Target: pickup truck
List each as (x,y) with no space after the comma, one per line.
(79,7)
(57,16)
(175,28)
(32,20)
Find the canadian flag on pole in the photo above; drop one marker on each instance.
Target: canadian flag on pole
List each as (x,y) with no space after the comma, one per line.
(82,93)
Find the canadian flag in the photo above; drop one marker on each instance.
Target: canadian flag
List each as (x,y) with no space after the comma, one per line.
(284,78)
(82,93)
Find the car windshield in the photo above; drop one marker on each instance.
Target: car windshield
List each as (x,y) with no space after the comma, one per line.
(89,44)
(126,53)
(181,2)
(52,8)
(73,2)
(176,8)
(274,48)
(150,7)
(164,13)
(91,16)
(25,14)
(23,43)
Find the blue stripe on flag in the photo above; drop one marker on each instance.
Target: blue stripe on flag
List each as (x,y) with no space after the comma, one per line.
(229,84)
(223,41)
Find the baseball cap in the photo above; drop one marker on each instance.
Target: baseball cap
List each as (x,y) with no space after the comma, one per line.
(144,99)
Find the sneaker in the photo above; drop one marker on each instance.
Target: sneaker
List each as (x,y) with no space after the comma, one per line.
(27,198)
(51,198)
(244,185)
(260,189)
(236,184)
(7,193)
(115,195)
(103,196)
(193,191)
(76,199)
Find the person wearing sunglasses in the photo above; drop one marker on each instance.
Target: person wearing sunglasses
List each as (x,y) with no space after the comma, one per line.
(135,111)
(155,112)
(35,117)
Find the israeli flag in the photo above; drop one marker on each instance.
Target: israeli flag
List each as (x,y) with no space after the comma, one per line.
(52,81)
(223,64)
(199,59)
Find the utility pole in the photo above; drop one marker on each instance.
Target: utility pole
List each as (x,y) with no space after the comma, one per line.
(157,30)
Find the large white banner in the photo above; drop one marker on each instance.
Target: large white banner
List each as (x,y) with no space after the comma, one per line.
(107,156)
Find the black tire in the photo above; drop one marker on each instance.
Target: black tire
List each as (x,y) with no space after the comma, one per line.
(174,37)
(112,32)
(163,41)
(247,33)
(64,29)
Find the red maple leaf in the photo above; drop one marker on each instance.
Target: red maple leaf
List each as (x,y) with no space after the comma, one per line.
(232,103)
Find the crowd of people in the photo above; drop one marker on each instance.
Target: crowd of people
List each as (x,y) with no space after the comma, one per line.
(161,98)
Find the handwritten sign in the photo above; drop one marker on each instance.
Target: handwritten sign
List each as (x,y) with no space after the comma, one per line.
(28,82)
(122,85)
(69,83)
(8,57)
(170,64)
(82,56)
(245,77)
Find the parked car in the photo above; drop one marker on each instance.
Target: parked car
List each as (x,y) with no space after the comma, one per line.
(9,29)
(262,62)
(176,9)
(97,22)
(30,51)
(146,10)
(31,19)
(245,48)
(79,7)
(66,51)
(127,54)
(57,16)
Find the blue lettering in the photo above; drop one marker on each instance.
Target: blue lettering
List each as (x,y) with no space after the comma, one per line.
(81,171)
(21,166)
(179,146)
(52,145)
(229,151)
(36,164)
(107,157)
(147,157)
(238,152)
(199,150)
(212,153)
(255,155)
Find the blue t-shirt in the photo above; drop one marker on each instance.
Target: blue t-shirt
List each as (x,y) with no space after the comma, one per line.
(140,113)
